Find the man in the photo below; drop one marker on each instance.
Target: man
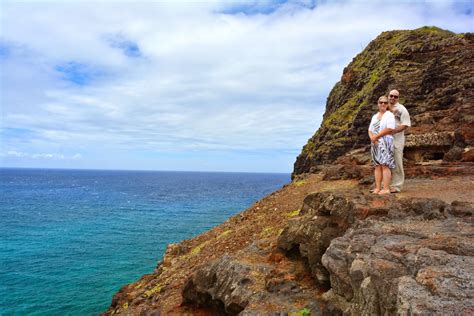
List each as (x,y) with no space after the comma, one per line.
(402,120)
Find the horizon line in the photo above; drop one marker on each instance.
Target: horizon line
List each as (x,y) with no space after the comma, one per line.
(140,170)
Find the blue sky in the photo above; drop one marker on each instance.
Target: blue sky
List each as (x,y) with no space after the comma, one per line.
(202,86)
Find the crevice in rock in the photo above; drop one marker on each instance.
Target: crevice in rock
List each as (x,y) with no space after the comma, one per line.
(425,154)
(294,252)
(205,300)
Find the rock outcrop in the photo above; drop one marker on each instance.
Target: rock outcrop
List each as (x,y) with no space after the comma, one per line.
(323,245)
(404,265)
(433,70)
(255,281)
(387,256)
(324,216)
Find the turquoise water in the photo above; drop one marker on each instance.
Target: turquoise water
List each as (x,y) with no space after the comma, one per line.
(70,239)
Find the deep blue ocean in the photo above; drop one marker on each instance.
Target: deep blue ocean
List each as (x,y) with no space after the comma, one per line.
(69,239)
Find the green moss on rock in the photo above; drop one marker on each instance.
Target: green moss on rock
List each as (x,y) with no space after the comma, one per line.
(153,290)
(294,213)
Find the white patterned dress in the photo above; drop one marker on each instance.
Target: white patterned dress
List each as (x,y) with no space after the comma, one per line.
(382,153)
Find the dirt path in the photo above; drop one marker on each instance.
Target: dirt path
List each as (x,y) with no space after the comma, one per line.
(448,189)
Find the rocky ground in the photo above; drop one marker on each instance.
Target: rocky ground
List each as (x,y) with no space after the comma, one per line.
(324,247)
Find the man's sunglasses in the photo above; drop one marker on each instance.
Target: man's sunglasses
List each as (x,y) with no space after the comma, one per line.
(393,96)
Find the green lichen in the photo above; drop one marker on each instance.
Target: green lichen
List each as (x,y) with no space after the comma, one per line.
(267,232)
(125,306)
(299,183)
(270,231)
(294,213)
(303,312)
(309,148)
(224,234)
(434,29)
(198,248)
(153,290)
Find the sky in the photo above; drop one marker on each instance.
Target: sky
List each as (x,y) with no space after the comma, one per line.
(235,86)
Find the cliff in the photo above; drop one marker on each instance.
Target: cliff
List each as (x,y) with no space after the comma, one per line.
(323,245)
(433,71)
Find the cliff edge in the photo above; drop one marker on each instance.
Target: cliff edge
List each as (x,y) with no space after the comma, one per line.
(323,245)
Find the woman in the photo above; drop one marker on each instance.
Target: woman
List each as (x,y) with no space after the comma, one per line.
(380,129)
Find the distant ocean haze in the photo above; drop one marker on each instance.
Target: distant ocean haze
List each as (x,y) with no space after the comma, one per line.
(70,239)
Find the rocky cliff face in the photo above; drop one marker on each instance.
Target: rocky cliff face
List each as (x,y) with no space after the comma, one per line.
(323,245)
(433,70)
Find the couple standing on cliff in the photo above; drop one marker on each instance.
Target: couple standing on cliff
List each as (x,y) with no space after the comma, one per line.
(387,136)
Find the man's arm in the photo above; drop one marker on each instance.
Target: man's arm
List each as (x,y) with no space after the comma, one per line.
(399,129)
(404,121)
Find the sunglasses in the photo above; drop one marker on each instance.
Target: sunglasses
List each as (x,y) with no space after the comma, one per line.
(382,102)
(393,96)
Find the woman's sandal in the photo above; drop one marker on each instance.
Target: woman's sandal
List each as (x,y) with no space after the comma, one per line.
(382,192)
(375,191)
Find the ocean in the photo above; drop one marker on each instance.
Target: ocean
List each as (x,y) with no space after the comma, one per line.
(69,239)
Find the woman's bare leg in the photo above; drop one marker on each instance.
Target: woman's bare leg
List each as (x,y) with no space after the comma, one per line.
(378,178)
(387,177)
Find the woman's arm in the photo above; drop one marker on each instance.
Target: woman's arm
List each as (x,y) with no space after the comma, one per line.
(370,130)
(385,131)
(372,137)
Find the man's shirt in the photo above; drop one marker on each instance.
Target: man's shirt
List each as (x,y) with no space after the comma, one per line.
(402,117)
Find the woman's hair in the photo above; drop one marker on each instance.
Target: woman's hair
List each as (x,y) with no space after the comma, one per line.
(383,96)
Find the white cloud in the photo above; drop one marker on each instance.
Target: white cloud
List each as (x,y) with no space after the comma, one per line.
(203,80)
(46,156)
(13,153)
